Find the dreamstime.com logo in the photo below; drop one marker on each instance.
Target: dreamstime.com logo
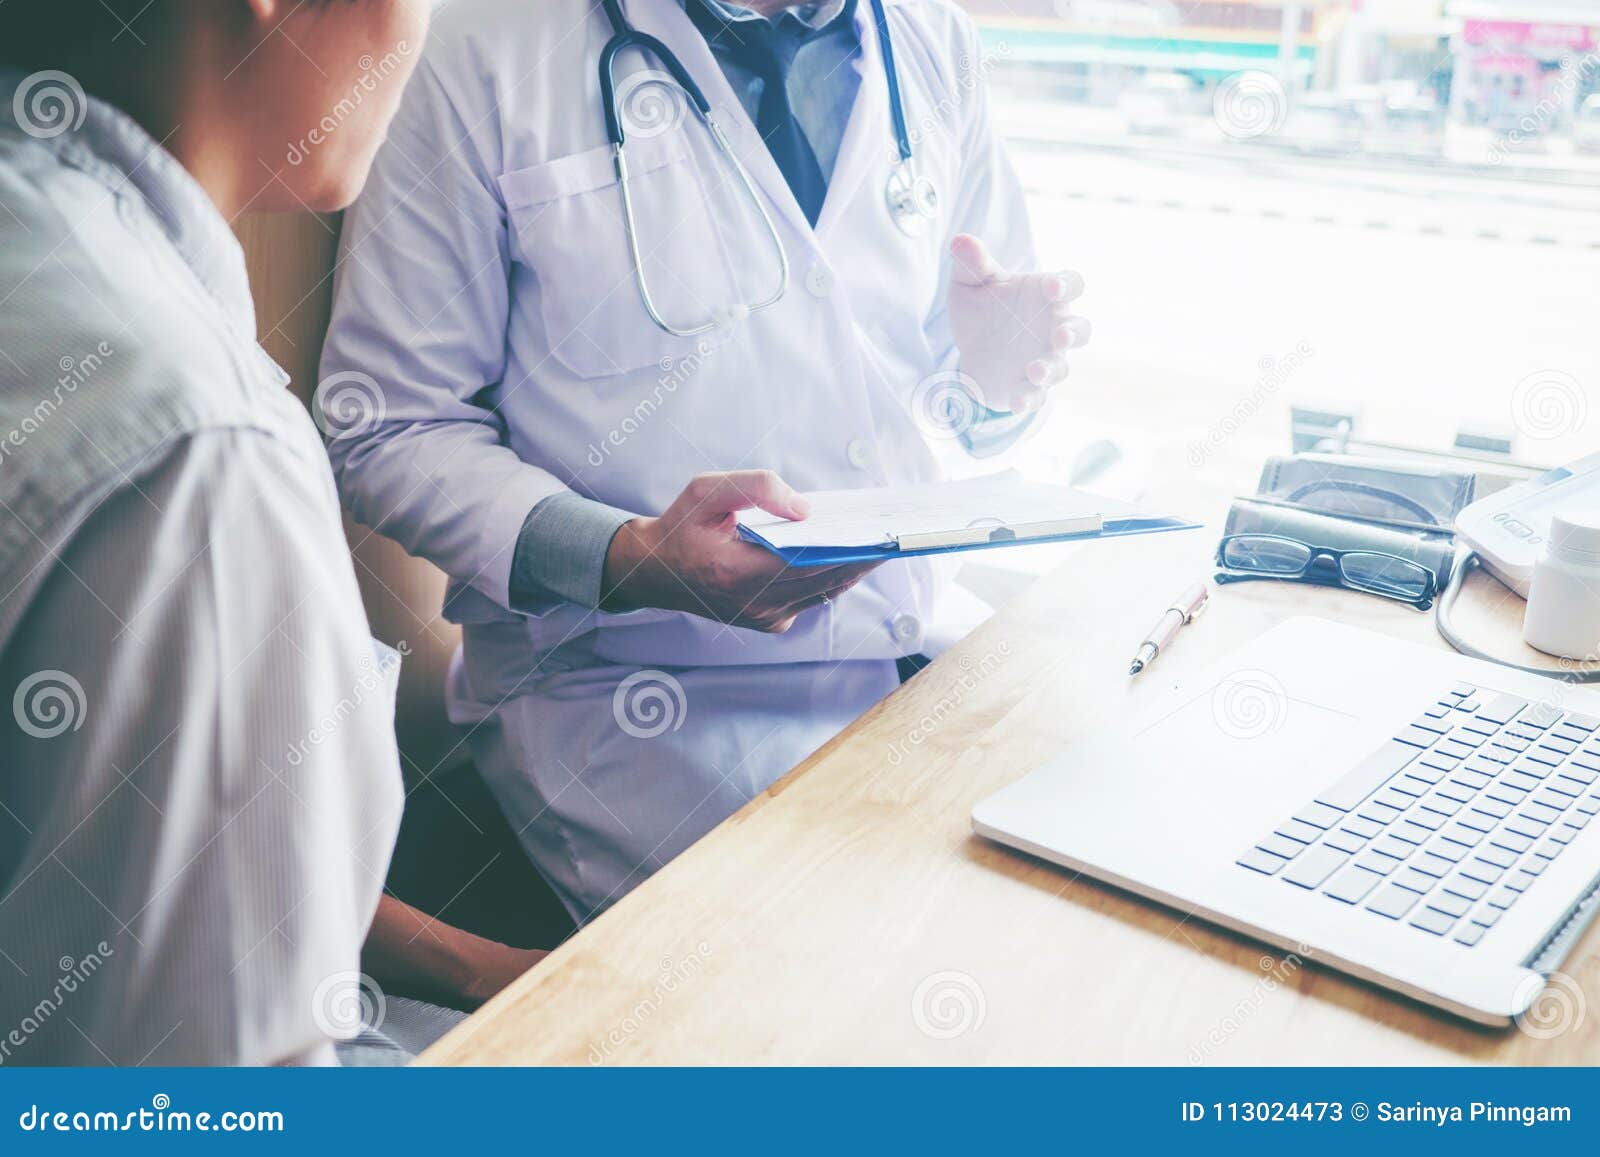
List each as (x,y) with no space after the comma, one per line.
(159,1117)
(73,372)
(345,1001)
(1250,104)
(1549,404)
(1559,1008)
(674,974)
(649,703)
(48,704)
(650,102)
(348,404)
(948,1004)
(1249,704)
(73,975)
(373,73)
(48,104)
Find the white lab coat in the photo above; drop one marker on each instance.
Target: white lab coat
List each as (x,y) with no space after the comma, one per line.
(486,290)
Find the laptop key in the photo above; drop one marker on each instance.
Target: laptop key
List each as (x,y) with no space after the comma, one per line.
(1541,812)
(1344,840)
(1350,885)
(1436,866)
(1499,857)
(1368,776)
(1391,846)
(1299,830)
(1469,934)
(1491,807)
(1281,846)
(1379,863)
(1505,838)
(1502,709)
(1486,915)
(1432,920)
(1540,715)
(1520,881)
(1319,815)
(1414,881)
(1410,832)
(1364,828)
(1549,849)
(1447,849)
(1380,814)
(1581,722)
(1520,780)
(1466,887)
(1453,906)
(1461,834)
(1258,861)
(1311,869)
(1417,736)
(1393,901)
(1504,898)
(1484,873)
(1440,805)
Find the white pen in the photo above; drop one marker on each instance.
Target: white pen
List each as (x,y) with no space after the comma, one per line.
(1182,611)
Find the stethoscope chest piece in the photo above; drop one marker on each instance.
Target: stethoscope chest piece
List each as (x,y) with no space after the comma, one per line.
(912,199)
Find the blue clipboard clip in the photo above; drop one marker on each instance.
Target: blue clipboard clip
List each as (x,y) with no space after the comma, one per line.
(982,534)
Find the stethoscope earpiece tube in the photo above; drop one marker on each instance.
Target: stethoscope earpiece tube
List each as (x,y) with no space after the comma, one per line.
(1465,565)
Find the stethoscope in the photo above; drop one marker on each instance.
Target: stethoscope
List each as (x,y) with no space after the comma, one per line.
(912,199)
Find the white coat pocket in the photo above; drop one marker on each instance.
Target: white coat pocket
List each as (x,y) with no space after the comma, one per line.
(568,228)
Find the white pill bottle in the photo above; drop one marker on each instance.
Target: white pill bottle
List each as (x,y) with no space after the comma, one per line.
(1563,615)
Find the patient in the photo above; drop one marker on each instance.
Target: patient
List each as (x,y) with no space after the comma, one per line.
(199,787)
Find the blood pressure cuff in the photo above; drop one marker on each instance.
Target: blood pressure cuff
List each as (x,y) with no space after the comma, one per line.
(1368,488)
(1434,549)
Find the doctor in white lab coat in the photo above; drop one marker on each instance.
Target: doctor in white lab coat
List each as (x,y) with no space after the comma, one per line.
(496,397)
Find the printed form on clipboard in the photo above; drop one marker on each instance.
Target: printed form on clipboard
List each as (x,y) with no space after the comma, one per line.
(994,510)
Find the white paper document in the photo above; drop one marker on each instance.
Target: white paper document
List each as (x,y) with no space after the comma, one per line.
(938,514)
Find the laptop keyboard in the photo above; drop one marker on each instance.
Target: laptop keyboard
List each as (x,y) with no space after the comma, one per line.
(1447,825)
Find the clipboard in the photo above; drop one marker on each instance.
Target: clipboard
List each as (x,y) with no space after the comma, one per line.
(938,518)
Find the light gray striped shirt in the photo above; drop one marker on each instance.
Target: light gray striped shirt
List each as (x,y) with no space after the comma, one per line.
(199,788)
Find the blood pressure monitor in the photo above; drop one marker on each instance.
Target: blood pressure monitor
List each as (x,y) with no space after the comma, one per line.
(1508,529)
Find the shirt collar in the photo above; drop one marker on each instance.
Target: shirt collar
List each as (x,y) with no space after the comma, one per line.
(114,148)
(813,16)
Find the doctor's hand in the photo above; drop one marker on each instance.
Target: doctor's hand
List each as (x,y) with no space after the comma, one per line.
(1013,329)
(692,558)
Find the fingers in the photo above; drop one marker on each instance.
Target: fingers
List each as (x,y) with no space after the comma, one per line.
(1060,288)
(712,497)
(1071,332)
(974,264)
(1047,372)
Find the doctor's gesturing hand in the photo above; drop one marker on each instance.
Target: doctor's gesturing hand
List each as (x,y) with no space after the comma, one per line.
(692,559)
(1013,329)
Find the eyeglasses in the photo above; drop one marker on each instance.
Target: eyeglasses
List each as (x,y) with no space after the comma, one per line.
(1272,556)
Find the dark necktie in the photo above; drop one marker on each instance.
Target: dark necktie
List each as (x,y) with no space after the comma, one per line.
(767,48)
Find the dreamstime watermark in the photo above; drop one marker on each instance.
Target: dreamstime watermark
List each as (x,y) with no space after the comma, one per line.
(1274,374)
(348,404)
(1249,104)
(376,674)
(73,372)
(49,103)
(160,1117)
(970,73)
(649,703)
(947,404)
(1549,404)
(1558,1008)
(1274,974)
(48,704)
(948,1004)
(650,102)
(973,672)
(345,1001)
(1249,704)
(1571,78)
(674,974)
(674,373)
(74,973)
(373,73)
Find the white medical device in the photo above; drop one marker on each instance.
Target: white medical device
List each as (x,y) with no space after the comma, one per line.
(1508,530)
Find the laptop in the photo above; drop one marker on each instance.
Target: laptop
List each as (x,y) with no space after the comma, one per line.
(1418,819)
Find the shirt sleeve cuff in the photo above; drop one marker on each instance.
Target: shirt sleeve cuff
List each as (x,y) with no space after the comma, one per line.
(995,432)
(561,551)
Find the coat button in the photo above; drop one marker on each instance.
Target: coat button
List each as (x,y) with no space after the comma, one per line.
(819,281)
(859,451)
(906,628)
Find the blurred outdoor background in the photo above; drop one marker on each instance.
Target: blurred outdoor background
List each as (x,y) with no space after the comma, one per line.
(1388,208)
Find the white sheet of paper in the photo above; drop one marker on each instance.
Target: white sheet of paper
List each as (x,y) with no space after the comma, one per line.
(877,515)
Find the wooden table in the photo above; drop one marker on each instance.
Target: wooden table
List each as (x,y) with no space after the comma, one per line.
(848,915)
